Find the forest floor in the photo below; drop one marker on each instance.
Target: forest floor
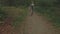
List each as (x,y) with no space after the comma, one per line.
(36,24)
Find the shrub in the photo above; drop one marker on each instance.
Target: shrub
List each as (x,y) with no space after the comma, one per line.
(3,15)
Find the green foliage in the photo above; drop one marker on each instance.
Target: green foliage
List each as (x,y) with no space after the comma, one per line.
(51,9)
(52,14)
(15,2)
(18,19)
(3,15)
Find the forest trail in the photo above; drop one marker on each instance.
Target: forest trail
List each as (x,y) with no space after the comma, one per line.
(37,25)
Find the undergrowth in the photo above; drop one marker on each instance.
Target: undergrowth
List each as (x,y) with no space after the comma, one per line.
(52,13)
(18,14)
(20,18)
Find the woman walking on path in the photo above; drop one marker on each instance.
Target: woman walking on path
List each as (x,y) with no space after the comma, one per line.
(31,8)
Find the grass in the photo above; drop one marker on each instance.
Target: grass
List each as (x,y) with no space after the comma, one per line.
(18,14)
(20,18)
(52,13)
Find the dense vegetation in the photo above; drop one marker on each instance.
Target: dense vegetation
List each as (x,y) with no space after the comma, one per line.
(15,9)
(49,8)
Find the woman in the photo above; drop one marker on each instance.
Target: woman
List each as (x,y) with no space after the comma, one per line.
(31,7)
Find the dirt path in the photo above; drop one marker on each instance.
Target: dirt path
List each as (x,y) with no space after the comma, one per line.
(37,25)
